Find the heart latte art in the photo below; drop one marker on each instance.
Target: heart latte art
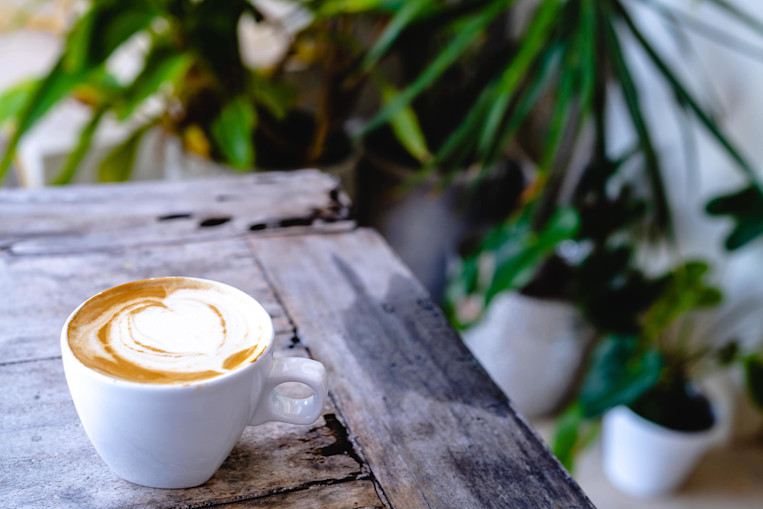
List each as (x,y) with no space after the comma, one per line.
(168,330)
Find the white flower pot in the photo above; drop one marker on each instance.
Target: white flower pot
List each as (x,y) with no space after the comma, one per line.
(644,459)
(532,348)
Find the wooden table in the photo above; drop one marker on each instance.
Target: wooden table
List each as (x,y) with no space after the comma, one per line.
(413,421)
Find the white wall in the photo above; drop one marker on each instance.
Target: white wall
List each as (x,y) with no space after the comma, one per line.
(733,85)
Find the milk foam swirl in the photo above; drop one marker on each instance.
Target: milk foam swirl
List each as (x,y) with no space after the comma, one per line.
(167,330)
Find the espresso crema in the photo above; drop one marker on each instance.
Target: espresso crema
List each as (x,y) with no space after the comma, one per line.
(168,330)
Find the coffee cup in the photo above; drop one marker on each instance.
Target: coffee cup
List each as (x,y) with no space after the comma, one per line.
(162,399)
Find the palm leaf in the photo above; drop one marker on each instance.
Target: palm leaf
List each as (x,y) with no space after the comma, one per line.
(163,65)
(329,8)
(103,28)
(51,89)
(631,95)
(467,32)
(681,92)
(531,46)
(405,125)
(399,22)
(525,102)
(78,154)
(561,116)
(12,101)
(118,164)
(707,30)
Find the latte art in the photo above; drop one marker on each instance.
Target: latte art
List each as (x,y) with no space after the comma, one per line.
(167,330)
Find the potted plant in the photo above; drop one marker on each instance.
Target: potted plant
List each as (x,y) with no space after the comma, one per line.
(548,89)
(657,419)
(194,85)
(529,303)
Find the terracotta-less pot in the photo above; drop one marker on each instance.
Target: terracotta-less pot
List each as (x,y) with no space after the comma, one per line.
(645,460)
(532,348)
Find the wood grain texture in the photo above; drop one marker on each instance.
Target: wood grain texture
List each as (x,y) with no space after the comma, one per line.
(83,218)
(348,495)
(46,460)
(413,420)
(41,291)
(45,456)
(433,427)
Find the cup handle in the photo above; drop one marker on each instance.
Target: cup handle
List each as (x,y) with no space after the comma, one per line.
(277,407)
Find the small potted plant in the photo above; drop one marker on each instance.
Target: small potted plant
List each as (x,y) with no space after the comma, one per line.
(658,419)
(529,303)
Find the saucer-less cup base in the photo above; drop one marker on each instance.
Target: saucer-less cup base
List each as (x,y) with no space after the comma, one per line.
(177,436)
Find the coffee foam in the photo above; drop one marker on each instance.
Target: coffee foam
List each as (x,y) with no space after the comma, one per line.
(167,330)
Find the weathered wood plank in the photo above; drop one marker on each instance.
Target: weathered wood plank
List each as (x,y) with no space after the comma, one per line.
(434,429)
(82,218)
(347,495)
(40,291)
(46,459)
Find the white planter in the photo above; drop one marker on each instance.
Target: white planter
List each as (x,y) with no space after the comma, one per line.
(532,348)
(644,459)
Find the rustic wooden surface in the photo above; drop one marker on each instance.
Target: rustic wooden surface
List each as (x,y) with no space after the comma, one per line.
(412,420)
(84,218)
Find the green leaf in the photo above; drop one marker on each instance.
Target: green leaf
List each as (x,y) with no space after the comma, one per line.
(680,90)
(233,133)
(78,154)
(401,20)
(538,84)
(51,89)
(746,208)
(277,98)
(118,164)
(684,290)
(330,8)
(631,95)
(562,114)
(97,87)
(162,65)
(467,31)
(530,47)
(572,433)
(405,125)
(103,28)
(12,101)
(682,21)
(590,71)
(521,250)
(212,31)
(621,371)
(753,371)
(566,434)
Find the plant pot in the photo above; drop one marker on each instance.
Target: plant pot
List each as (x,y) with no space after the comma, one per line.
(645,460)
(532,348)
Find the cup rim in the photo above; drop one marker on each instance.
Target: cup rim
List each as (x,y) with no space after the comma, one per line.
(68,353)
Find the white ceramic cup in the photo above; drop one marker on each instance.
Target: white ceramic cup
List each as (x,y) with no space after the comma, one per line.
(177,436)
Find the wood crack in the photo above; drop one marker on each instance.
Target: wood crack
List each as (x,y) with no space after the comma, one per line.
(274,493)
(24,361)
